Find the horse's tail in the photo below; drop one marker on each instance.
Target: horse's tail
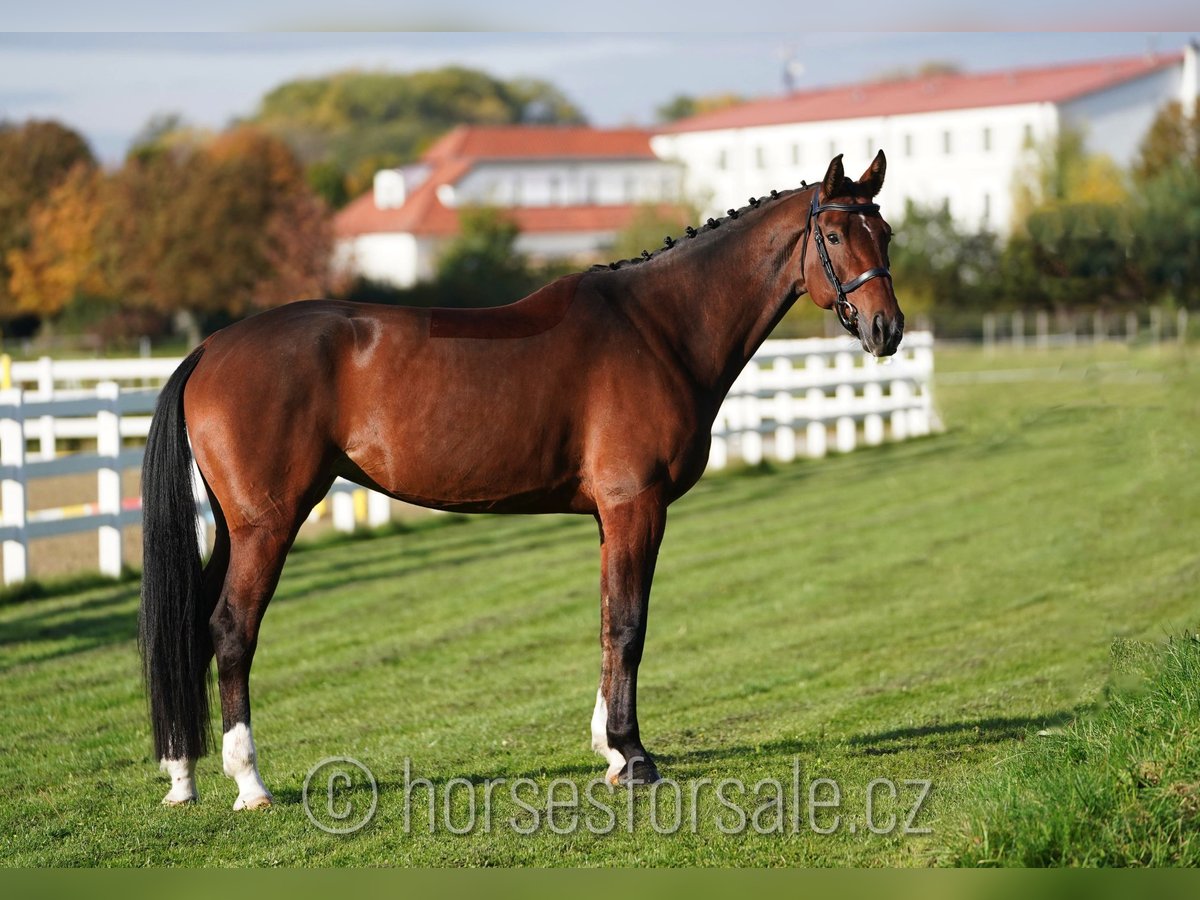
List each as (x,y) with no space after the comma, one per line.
(173,624)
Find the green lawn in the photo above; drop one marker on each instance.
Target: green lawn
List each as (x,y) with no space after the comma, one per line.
(914,612)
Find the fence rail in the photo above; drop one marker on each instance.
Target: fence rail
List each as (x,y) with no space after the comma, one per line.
(785,403)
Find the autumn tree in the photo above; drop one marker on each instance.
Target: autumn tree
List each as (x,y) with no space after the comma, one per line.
(684,106)
(34,158)
(60,260)
(228,227)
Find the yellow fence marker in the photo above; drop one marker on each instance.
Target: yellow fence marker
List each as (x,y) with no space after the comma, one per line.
(5,372)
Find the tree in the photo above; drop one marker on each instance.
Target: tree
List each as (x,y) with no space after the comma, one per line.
(34,158)
(684,106)
(1173,139)
(936,265)
(223,228)
(60,260)
(1072,242)
(482,266)
(354,123)
(650,224)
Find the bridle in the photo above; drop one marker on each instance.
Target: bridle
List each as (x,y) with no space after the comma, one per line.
(847,313)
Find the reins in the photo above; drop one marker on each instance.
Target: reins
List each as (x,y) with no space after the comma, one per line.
(847,313)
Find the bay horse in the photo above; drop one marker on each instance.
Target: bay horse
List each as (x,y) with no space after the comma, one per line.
(594,395)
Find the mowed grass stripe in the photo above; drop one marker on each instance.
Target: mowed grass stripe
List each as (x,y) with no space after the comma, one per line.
(908,611)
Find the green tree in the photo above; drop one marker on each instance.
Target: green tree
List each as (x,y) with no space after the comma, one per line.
(936,265)
(1173,139)
(349,124)
(1072,241)
(482,266)
(34,158)
(650,224)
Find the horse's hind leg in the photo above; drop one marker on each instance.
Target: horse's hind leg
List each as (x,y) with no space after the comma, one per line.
(256,556)
(182,771)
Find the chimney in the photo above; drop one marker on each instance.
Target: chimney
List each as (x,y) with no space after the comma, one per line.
(1191,78)
(389,189)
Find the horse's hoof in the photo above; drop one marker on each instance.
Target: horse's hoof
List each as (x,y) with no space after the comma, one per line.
(643,773)
(259,801)
(182,800)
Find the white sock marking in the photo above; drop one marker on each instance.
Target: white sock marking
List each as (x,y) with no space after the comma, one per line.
(616,762)
(241,764)
(183,780)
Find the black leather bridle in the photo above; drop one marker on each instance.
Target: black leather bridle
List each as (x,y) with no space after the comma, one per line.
(846,311)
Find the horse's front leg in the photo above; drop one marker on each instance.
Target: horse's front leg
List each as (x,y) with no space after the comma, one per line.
(630,534)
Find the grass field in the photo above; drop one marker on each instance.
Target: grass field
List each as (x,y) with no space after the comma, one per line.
(917,612)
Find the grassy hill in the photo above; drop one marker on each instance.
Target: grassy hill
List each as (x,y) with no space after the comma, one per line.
(917,612)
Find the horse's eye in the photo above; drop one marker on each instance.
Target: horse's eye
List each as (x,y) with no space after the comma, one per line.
(833,238)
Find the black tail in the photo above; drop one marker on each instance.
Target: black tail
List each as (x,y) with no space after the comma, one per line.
(173,625)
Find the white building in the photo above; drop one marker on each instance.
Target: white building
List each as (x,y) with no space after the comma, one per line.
(569,190)
(950,139)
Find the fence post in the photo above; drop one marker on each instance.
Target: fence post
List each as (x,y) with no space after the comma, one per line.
(1018,330)
(45,379)
(750,438)
(873,423)
(785,417)
(989,331)
(108,478)
(1043,329)
(343,511)
(1131,326)
(901,396)
(1181,325)
(1155,324)
(1099,328)
(12,488)
(379,509)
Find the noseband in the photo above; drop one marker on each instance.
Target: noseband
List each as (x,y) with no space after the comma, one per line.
(846,311)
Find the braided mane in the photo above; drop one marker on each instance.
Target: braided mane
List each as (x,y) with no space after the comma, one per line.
(712,224)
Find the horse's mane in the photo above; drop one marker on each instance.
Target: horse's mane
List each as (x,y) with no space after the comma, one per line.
(670,243)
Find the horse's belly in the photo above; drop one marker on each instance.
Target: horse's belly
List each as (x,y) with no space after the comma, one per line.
(498,463)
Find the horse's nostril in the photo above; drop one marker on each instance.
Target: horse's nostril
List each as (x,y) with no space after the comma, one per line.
(878,328)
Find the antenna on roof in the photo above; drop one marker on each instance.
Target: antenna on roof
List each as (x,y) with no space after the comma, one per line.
(792,68)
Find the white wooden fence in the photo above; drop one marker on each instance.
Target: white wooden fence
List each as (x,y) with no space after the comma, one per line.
(793,393)
(784,404)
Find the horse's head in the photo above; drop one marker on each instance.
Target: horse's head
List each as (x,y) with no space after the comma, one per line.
(845,257)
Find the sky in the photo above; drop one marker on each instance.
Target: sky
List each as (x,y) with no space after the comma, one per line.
(107,85)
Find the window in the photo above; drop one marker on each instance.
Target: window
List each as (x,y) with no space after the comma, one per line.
(832,149)
(760,157)
(555,191)
(592,192)
(870,146)
(945,142)
(630,189)
(1028,134)
(723,160)
(795,154)
(987,207)
(987,140)
(908,145)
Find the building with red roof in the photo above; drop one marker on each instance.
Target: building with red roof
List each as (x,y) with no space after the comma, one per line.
(952,139)
(569,190)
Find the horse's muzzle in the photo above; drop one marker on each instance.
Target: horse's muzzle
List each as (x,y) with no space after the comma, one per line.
(882,335)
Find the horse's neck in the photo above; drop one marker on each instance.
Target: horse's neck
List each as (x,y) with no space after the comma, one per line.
(716,304)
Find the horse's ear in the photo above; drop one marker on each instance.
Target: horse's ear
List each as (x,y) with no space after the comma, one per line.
(831,184)
(872,179)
